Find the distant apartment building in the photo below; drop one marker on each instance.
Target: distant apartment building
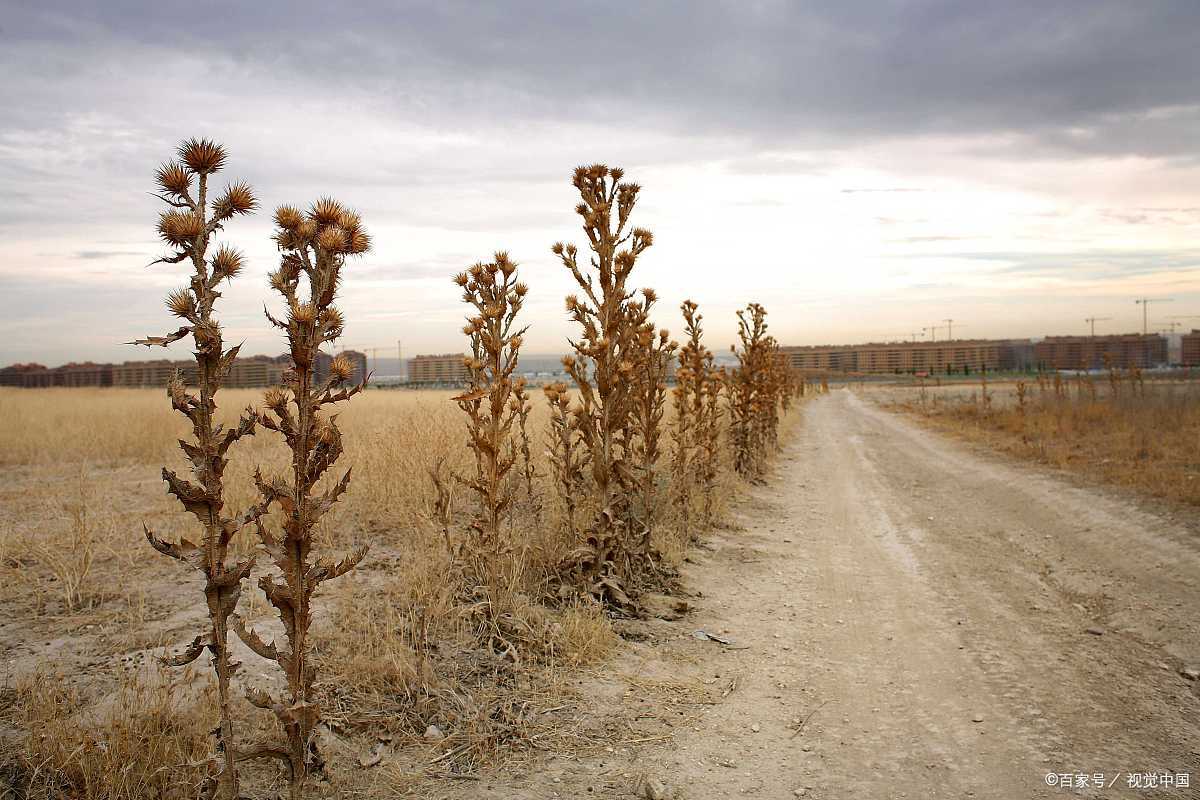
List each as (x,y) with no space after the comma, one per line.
(1190,349)
(73,374)
(244,373)
(447,368)
(1095,352)
(25,375)
(956,355)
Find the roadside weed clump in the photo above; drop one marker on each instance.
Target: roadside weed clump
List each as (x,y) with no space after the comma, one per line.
(611,559)
(496,296)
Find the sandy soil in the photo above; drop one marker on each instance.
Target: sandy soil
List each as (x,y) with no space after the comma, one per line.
(910,619)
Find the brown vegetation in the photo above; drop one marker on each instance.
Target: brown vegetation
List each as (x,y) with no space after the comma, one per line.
(188,227)
(1120,429)
(315,246)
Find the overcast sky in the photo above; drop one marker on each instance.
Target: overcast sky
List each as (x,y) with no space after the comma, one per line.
(864,169)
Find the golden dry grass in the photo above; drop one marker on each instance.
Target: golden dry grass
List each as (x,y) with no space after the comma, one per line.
(1141,438)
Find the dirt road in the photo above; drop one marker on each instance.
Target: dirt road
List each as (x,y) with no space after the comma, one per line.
(910,618)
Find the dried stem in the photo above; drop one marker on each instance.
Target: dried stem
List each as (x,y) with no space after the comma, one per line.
(315,246)
(188,227)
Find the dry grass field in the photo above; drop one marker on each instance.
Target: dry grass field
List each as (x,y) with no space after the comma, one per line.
(86,605)
(1137,434)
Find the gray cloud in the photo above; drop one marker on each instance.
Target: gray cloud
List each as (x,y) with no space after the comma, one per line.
(1089,76)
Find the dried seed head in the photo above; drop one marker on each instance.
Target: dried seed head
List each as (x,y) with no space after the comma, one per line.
(179,227)
(176,390)
(326,211)
(341,368)
(650,295)
(468,329)
(238,199)
(359,242)
(462,279)
(202,156)
(288,217)
(181,303)
(306,231)
(332,239)
(332,321)
(521,289)
(227,262)
(173,179)
(304,313)
(275,398)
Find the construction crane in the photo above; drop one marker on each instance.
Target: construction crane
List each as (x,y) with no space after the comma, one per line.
(1186,316)
(949,328)
(1145,302)
(1093,320)
(1172,327)
(372,354)
(932,330)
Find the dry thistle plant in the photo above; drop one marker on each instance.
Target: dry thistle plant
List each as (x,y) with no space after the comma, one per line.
(315,246)
(610,560)
(566,453)
(652,355)
(697,413)
(491,407)
(188,227)
(748,396)
(529,475)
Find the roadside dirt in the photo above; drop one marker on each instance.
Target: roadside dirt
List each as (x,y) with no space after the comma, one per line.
(909,619)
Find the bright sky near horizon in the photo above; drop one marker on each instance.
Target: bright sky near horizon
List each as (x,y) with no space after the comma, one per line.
(863,169)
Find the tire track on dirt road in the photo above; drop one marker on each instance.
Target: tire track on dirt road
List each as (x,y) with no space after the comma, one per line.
(928,606)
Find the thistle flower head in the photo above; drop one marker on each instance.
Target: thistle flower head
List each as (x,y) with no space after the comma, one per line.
(360,242)
(462,279)
(179,227)
(173,179)
(521,289)
(650,295)
(332,321)
(341,368)
(333,239)
(275,398)
(326,211)
(202,156)
(227,262)
(182,303)
(304,313)
(288,217)
(238,199)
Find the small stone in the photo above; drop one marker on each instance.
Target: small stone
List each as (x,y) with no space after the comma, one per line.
(800,792)
(977,718)
(653,789)
(1191,673)
(434,734)
(756,727)
(1094,631)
